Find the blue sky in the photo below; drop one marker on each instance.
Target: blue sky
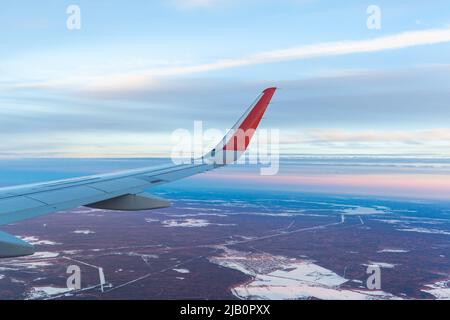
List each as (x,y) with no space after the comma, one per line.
(136,71)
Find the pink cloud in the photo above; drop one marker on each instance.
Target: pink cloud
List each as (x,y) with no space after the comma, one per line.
(426,186)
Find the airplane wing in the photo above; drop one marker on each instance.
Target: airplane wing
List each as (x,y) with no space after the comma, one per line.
(123,190)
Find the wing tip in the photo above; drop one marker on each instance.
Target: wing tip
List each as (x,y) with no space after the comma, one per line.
(270,89)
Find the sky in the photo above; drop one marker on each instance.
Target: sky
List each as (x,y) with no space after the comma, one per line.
(136,71)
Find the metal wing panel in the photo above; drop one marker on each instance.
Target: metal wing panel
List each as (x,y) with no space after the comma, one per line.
(176,173)
(65,194)
(20,203)
(114,186)
(17,204)
(14,214)
(20,215)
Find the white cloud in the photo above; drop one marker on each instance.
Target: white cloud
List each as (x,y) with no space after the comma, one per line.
(113,82)
(339,135)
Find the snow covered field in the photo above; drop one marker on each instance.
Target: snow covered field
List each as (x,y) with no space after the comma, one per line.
(278,277)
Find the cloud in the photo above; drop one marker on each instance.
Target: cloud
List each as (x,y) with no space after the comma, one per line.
(397,41)
(416,97)
(114,82)
(384,182)
(347,111)
(340,135)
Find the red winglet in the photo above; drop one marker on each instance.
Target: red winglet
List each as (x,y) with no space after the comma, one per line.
(250,123)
